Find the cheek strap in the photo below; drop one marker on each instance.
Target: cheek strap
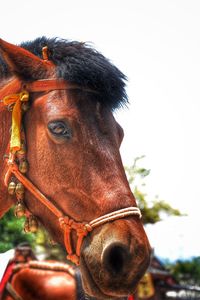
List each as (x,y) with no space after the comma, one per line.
(66,223)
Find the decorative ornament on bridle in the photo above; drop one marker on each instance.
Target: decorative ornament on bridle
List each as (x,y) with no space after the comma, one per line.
(17,166)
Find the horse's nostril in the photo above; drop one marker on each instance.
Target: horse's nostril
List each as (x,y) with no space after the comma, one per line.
(115,258)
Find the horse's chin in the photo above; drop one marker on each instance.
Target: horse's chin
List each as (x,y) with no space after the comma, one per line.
(92,289)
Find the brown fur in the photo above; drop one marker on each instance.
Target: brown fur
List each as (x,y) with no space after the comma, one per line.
(85,178)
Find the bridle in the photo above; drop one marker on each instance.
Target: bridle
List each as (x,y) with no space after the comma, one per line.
(13,169)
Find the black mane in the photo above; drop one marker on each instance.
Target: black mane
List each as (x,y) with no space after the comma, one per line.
(81,64)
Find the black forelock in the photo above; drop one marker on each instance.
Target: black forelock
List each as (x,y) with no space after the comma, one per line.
(80,63)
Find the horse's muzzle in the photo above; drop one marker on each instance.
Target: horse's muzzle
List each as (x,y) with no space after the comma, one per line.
(114,261)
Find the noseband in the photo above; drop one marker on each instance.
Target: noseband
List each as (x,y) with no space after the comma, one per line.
(13,168)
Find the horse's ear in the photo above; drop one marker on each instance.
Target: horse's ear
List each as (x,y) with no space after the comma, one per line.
(24,63)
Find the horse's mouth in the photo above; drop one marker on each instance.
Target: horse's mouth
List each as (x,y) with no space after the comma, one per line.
(90,286)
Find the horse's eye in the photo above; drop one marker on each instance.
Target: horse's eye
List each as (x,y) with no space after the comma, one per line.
(60,129)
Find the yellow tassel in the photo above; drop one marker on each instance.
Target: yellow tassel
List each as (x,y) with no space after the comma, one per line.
(17,99)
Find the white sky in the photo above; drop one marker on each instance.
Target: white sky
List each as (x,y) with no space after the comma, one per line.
(157,45)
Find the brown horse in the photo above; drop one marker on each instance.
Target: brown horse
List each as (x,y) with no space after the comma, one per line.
(75,184)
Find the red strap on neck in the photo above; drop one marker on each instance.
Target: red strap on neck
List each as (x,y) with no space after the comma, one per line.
(45,85)
(6,277)
(42,85)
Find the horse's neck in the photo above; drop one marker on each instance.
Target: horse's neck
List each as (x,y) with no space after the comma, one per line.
(5,124)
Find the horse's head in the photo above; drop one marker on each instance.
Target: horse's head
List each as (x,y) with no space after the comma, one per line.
(73,145)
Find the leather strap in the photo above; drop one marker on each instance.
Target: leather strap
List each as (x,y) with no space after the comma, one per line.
(13,292)
(46,85)
(42,85)
(13,169)
(46,265)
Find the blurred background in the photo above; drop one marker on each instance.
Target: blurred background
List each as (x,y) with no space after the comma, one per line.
(157,45)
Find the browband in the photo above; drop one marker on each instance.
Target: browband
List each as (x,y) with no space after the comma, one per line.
(45,85)
(41,85)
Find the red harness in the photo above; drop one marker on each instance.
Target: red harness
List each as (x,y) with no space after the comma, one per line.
(67,224)
(6,277)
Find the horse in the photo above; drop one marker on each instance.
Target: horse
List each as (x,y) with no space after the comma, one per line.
(61,163)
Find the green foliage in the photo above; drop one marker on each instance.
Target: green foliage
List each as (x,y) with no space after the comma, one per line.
(11,232)
(152,211)
(47,247)
(186,271)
